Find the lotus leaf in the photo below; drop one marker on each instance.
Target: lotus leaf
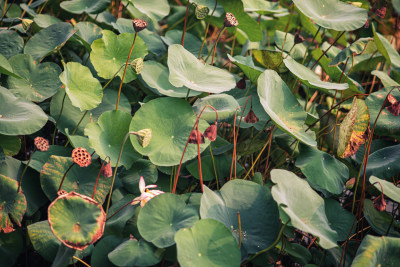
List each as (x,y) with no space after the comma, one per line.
(380,221)
(384,162)
(6,68)
(246,64)
(389,189)
(11,43)
(11,246)
(85,6)
(225,105)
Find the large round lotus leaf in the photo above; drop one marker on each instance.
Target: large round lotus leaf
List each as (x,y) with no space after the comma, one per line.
(225,105)
(6,68)
(10,144)
(322,170)
(170,120)
(11,43)
(130,178)
(106,137)
(262,7)
(43,240)
(84,91)
(192,43)
(246,64)
(339,219)
(387,124)
(48,40)
(258,212)
(76,220)
(308,214)
(333,14)
(111,52)
(155,76)
(135,253)
(207,243)
(384,163)
(162,217)
(99,257)
(39,80)
(380,221)
(389,189)
(44,21)
(378,251)
(85,6)
(308,77)
(78,179)
(19,116)
(246,23)
(11,245)
(186,70)
(12,204)
(282,106)
(87,32)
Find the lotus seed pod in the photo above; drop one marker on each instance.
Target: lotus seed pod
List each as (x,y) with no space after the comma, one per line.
(251,117)
(201,11)
(298,39)
(81,157)
(137,65)
(380,203)
(26,23)
(381,12)
(139,24)
(41,143)
(196,136)
(241,84)
(144,137)
(230,20)
(350,183)
(106,171)
(211,132)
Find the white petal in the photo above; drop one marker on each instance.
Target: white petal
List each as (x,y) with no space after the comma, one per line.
(142,184)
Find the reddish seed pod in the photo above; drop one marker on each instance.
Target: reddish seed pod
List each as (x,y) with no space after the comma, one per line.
(139,24)
(298,39)
(230,20)
(211,132)
(196,135)
(241,84)
(251,117)
(381,12)
(380,204)
(106,171)
(81,157)
(41,143)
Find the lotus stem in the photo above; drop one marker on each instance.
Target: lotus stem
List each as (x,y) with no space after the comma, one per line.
(98,175)
(126,66)
(63,257)
(58,119)
(24,171)
(76,127)
(78,259)
(199,159)
(240,229)
(215,45)
(6,10)
(184,26)
(215,170)
(326,51)
(116,168)
(65,174)
(207,28)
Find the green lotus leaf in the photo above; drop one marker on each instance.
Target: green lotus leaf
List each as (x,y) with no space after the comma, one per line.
(11,43)
(85,6)
(378,251)
(380,221)
(115,225)
(110,53)
(171,121)
(79,179)
(322,170)
(269,59)
(107,244)
(225,105)
(130,178)
(155,76)
(10,144)
(192,43)
(246,23)
(309,78)
(207,243)
(87,32)
(246,64)
(384,162)
(106,137)
(296,51)
(352,129)
(39,80)
(186,70)
(147,8)
(389,189)
(84,91)
(308,214)
(76,220)
(44,21)
(388,124)
(19,116)
(386,80)
(171,213)
(6,68)
(386,49)
(43,240)
(2,155)
(39,158)
(48,40)
(262,7)
(340,220)
(360,46)
(335,74)
(135,253)
(12,204)
(333,14)
(11,245)
(258,213)
(282,106)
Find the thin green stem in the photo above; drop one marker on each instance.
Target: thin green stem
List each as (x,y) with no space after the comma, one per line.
(215,170)
(309,45)
(77,125)
(207,28)
(215,45)
(24,171)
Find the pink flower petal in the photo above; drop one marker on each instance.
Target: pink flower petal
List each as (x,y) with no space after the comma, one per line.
(142,184)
